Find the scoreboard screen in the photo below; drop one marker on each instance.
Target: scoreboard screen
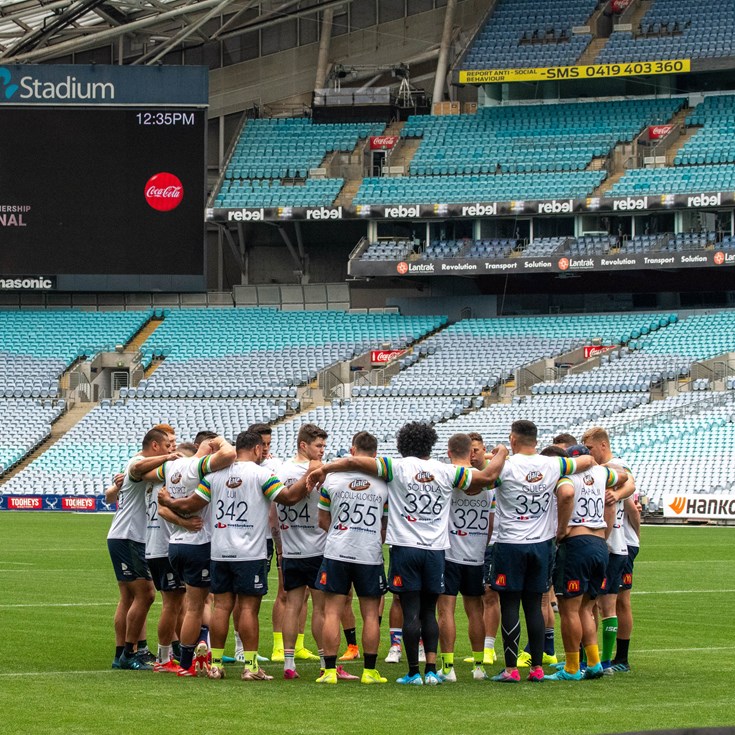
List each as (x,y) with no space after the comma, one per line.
(114,192)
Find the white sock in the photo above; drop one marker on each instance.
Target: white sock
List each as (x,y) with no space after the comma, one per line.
(288,661)
(321,658)
(164,654)
(489,641)
(238,644)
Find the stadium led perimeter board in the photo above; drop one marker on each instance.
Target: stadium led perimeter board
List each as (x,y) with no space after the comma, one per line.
(102,177)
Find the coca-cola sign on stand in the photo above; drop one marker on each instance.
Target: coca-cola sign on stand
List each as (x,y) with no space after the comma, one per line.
(381,357)
(656,132)
(595,350)
(618,6)
(382,142)
(164,191)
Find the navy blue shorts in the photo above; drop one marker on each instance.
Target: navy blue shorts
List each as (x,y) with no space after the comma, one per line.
(580,566)
(416,570)
(522,567)
(338,576)
(487,567)
(165,578)
(128,559)
(614,574)
(300,572)
(627,581)
(191,563)
(240,577)
(468,579)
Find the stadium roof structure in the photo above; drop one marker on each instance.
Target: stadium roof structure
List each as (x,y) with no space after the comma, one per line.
(41,30)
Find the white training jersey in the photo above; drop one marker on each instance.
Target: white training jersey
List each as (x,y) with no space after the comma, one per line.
(158,532)
(523,497)
(129,521)
(631,537)
(357,503)
(239,496)
(496,525)
(182,476)
(419,498)
(616,540)
(301,536)
(273,464)
(589,496)
(469,520)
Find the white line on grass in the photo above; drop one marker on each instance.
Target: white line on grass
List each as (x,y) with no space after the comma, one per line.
(679,650)
(56,673)
(678,592)
(60,604)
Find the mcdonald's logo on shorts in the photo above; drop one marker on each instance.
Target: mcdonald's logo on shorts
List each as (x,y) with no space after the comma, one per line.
(397,581)
(628,578)
(501,580)
(573,585)
(323,578)
(604,584)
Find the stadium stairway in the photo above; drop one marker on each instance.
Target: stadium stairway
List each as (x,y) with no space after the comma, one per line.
(689,132)
(59,428)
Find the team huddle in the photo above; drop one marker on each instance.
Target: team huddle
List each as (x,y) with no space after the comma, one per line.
(201,522)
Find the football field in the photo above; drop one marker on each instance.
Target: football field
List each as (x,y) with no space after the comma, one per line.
(56,639)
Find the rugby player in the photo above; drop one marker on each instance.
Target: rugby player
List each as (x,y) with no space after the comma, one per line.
(240,496)
(189,551)
(352,509)
(126,544)
(419,494)
(624,610)
(165,579)
(584,520)
(597,442)
(522,554)
(303,545)
(273,540)
(464,566)
(490,600)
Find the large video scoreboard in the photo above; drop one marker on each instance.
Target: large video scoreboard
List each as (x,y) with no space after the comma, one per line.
(102,177)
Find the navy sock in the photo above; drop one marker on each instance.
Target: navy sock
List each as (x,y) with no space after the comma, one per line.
(129,651)
(549,642)
(204,633)
(371,660)
(187,656)
(330,662)
(142,645)
(118,651)
(430,669)
(350,636)
(621,655)
(176,649)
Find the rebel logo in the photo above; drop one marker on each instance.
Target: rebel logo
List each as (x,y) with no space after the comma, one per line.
(234,482)
(164,191)
(402,267)
(534,476)
(359,485)
(719,257)
(563,264)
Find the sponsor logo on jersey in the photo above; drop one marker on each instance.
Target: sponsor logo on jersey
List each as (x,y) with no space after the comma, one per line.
(220,525)
(424,477)
(411,519)
(459,532)
(573,586)
(176,478)
(501,580)
(588,480)
(323,578)
(397,581)
(340,527)
(284,527)
(534,476)
(359,485)
(234,482)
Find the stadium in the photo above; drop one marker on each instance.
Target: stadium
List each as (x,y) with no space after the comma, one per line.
(358,215)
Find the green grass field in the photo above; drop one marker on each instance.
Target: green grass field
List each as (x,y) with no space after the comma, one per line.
(56,640)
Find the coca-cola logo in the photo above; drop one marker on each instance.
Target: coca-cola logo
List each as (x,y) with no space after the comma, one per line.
(595,350)
(164,191)
(659,131)
(383,141)
(384,356)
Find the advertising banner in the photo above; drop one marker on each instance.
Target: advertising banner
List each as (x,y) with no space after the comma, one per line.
(88,504)
(595,350)
(688,505)
(382,142)
(591,71)
(383,357)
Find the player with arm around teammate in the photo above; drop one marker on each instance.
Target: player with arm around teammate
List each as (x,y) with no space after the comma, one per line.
(352,507)
(239,496)
(584,520)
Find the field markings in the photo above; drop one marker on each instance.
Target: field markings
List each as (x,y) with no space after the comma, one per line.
(679,592)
